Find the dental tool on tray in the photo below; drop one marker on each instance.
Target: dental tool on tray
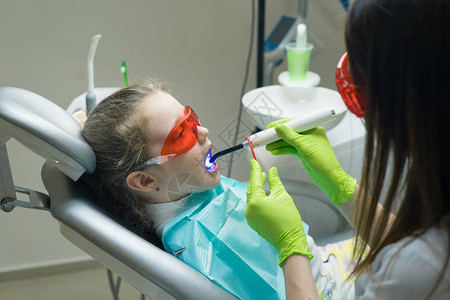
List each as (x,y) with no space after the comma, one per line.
(262,138)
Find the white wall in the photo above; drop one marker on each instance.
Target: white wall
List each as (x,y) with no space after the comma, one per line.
(198,46)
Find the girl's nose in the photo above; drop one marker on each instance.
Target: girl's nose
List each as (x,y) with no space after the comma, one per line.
(202,134)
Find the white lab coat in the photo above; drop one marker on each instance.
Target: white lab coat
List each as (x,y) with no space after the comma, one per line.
(408,271)
(400,271)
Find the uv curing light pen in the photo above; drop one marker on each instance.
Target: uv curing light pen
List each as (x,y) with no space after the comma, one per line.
(299,124)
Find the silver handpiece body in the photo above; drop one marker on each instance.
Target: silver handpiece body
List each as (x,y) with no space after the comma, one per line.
(299,124)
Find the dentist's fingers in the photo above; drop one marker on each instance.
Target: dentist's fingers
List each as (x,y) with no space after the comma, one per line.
(306,142)
(255,188)
(281,147)
(277,144)
(285,151)
(263,177)
(288,135)
(282,121)
(275,184)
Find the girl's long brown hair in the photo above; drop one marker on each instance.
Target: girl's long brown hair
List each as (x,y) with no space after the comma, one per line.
(399,55)
(117,131)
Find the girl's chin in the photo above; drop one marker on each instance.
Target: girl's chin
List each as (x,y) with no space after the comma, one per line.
(213,180)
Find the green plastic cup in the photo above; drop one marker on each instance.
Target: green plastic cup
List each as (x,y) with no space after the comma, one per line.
(298,60)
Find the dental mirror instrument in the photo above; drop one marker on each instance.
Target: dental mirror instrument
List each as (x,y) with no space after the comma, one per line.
(91,99)
(262,138)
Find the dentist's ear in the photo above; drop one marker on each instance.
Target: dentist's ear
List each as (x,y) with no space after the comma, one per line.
(142,181)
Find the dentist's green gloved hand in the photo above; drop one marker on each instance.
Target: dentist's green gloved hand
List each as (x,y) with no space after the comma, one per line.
(275,217)
(318,158)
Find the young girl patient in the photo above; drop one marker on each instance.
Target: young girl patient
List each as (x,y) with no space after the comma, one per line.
(151,177)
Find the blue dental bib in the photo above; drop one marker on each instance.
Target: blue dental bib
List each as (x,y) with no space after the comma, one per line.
(218,242)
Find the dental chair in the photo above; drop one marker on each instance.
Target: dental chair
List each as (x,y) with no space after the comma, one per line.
(53,133)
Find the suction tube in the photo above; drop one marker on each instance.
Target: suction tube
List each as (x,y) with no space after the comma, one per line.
(91,99)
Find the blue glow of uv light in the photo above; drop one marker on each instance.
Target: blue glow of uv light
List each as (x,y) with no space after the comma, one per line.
(209,165)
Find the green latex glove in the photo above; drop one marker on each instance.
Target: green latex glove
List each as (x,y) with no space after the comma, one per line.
(275,217)
(318,158)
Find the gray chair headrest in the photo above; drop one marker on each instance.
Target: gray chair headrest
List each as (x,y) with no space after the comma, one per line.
(46,129)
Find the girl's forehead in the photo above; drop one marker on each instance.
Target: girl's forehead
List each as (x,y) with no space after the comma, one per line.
(162,111)
(160,107)
(163,99)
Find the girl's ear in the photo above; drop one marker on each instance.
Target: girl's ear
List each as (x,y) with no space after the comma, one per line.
(141,181)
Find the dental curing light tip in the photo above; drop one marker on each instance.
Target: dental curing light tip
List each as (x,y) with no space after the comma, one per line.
(226,151)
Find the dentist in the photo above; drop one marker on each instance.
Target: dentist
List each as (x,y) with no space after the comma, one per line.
(396,76)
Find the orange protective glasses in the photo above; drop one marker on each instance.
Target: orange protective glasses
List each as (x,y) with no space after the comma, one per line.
(180,140)
(350,92)
(183,135)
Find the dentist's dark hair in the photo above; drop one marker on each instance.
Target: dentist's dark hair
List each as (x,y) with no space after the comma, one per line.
(399,54)
(117,132)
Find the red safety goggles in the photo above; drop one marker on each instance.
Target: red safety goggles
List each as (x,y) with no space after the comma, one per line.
(180,139)
(183,135)
(350,92)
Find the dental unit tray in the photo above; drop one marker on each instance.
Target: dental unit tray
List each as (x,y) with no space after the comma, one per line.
(51,132)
